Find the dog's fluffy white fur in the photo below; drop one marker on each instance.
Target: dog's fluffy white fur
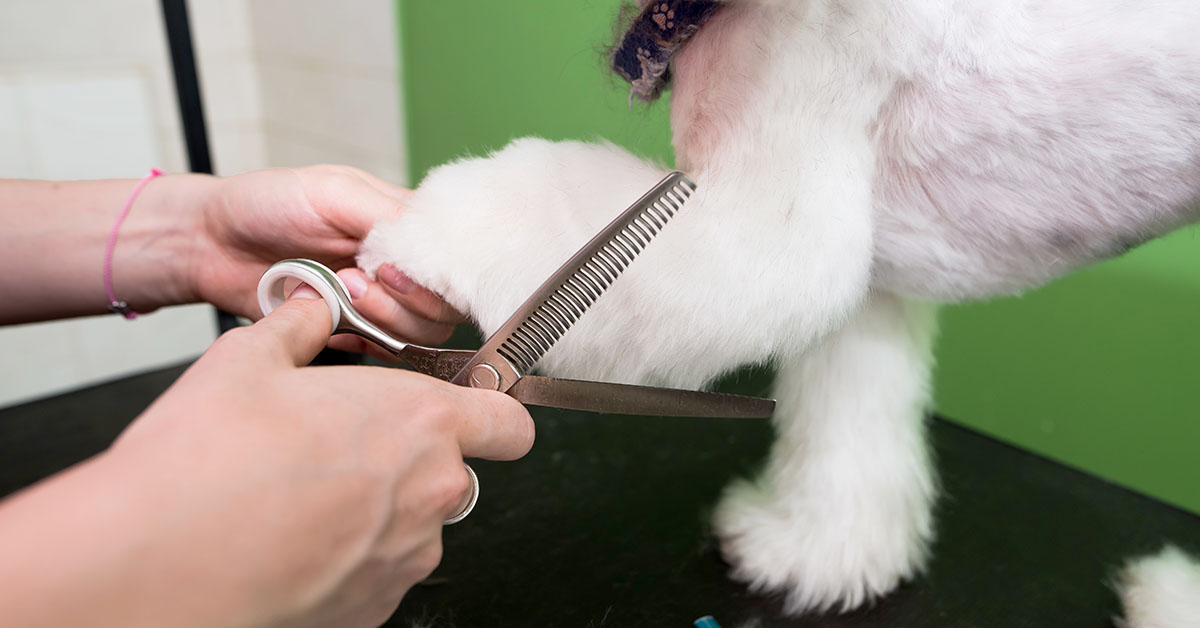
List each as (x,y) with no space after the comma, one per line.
(853,159)
(1159,591)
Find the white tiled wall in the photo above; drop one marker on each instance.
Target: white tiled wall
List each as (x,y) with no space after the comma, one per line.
(230,84)
(86,92)
(85,126)
(13,160)
(330,90)
(297,82)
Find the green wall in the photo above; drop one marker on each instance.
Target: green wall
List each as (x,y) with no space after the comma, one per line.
(1098,370)
(478,73)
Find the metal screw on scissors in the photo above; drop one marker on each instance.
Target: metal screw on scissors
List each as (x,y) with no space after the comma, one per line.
(505,360)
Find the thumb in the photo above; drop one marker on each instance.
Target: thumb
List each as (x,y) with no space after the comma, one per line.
(297,330)
(360,200)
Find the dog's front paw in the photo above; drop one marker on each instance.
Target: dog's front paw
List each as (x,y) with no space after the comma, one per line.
(819,551)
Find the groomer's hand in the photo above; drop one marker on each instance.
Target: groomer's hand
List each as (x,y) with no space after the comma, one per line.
(258,492)
(319,212)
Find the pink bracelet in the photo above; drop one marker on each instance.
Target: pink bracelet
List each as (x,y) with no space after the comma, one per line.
(115,305)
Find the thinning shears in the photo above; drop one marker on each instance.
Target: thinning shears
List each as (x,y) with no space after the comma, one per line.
(506,359)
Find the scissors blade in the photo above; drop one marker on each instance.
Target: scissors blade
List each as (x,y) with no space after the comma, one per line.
(440,363)
(554,307)
(607,398)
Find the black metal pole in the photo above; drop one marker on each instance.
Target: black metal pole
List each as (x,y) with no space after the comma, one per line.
(195,134)
(191,108)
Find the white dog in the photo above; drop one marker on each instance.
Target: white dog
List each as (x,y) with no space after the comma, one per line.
(854,161)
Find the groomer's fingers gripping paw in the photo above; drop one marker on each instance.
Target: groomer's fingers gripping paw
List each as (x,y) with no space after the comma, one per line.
(408,319)
(415,297)
(483,423)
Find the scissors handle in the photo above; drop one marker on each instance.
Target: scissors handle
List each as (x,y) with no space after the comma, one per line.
(440,363)
(346,319)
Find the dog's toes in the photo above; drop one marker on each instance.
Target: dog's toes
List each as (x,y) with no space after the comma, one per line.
(817,557)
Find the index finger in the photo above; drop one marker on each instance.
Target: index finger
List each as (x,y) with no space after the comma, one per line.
(483,423)
(491,424)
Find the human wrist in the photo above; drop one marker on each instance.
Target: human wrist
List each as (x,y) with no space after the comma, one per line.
(158,245)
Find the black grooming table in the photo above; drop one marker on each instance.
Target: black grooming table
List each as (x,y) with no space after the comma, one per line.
(603,524)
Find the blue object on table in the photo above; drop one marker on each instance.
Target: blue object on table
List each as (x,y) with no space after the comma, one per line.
(707,622)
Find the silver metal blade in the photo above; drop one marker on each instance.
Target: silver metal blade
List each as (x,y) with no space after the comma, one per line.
(553,308)
(627,399)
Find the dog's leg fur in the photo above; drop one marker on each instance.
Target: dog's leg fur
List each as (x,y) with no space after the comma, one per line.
(772,254)
(842,512)
(736,278)
(1161,591)
(837,144)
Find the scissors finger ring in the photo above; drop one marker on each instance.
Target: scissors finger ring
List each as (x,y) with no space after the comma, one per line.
(468,501)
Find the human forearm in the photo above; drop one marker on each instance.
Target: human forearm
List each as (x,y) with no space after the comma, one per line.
(191,238)
(136,537)
(53,237)
(84,549)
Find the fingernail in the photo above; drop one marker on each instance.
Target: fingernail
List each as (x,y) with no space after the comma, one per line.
(304,291)
(396,280)
(356,283)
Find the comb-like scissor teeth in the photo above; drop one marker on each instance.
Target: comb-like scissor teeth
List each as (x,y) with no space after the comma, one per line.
(511,352)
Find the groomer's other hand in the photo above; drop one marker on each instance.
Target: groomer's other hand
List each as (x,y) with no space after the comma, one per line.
(299,495)
(322,213)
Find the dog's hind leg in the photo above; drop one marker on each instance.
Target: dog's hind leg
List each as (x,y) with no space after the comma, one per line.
(842,512)
(1161,591)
